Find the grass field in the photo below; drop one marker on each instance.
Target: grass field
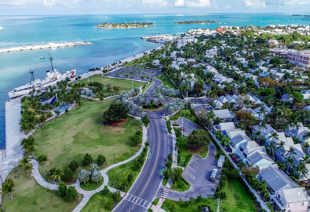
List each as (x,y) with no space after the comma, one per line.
(186,113)
(186,154)
(96,204)
(238,200)
(29,196)
(125,85)
(81,131)
(165,80)
(118,175)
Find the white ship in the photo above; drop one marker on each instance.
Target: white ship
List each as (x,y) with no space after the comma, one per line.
(51,79)
(1,27)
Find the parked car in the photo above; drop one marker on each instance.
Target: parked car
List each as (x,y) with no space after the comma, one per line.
(213,175)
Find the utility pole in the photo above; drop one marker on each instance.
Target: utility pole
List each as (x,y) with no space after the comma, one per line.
(218,205)
(114,158)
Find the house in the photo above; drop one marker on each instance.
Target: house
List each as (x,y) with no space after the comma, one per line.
(274,42)
(156,63)
(253,99)
(223,114)
(264,131)
(286,98)
(226,126)
(306,94)
(298,132)
(175,66)
(285,193)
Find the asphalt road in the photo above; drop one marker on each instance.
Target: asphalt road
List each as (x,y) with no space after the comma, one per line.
(151,89)
(142,193)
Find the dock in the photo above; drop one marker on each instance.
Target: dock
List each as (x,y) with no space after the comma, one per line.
(45,46)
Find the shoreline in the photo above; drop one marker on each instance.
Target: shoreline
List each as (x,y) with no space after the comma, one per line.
(12,153)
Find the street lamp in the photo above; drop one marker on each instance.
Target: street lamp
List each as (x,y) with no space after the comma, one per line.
(114,158)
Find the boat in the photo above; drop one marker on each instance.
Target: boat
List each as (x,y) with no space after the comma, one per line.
(51,79)
(42,57)
(1,27)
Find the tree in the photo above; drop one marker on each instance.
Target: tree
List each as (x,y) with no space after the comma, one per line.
(130,177)
(225,141)
(88,159)
(180,201)
(27,168)
(96,176)
(198,139)
(84,176)
(175,174)
(55,173)
(94,167)
(275,61)
(101,160)
(8,187)
(68,174)
(145,120)
(198,88)
(116,112)
(62,190)
(42,158)
(298,97)
(24,161)
(73,165)
(71,194)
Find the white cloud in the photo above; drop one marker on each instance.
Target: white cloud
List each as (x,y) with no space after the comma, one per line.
(155,2)
(255,3)
(179,3)
(198,3)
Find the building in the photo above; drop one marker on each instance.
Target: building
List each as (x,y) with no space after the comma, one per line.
(301,58)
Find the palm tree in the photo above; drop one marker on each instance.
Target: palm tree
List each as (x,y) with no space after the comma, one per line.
(27,168)
(8,187)
(306,159)
(55,173)
(274,136)
(306,136)
(301,168)
(291,151)
(24,161)
(271,148)
(289,163)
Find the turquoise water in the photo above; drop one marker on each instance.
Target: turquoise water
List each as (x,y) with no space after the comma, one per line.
(108,45)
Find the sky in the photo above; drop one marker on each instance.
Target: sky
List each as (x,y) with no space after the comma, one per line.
(47,7)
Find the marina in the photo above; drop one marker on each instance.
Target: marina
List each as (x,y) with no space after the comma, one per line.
(45,46)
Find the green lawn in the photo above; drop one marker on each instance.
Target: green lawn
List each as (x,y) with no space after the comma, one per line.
(90,185)
(238,200)
(147,86)
(186,113)
(155,201)
(186,154)
(118,175)
(96,204)
(125,85)
(29,196)
(182,185)
(165,80)
(81,131)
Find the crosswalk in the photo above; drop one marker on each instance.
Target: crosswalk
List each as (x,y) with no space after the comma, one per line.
(138,201)
(165,193)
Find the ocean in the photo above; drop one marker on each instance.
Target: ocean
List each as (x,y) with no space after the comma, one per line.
(109,45)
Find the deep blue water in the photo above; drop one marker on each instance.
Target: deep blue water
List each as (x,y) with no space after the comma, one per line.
(108,45)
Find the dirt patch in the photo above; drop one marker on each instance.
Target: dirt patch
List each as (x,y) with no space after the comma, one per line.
(116,124)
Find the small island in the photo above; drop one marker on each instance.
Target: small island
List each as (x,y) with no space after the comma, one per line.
(124,25)
(196,22)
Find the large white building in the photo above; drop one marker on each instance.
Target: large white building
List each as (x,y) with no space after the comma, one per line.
(299,57)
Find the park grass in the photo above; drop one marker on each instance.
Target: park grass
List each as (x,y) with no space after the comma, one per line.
(90,185)
(186,113)
(118,175)
(155,201)
(29,196)
(125,85)
(238,200)
(185,186)
(96,203)
(147,86)
(81,131)
(165,80)
(186,154)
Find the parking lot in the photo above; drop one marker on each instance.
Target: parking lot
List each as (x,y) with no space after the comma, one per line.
(135,73)
(188,126)
(198,173)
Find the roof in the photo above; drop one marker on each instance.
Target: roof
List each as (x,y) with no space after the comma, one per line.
(294,195)
(277,179)
(264,131)
(226,126)
(222,114)
(258,156)
(238,139)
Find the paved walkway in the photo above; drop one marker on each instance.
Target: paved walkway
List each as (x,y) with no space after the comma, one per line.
(87,194)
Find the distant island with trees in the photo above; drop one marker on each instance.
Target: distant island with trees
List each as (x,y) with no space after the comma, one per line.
(123,25)
(196,22)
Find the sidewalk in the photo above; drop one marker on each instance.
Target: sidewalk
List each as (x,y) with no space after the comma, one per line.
(87,194)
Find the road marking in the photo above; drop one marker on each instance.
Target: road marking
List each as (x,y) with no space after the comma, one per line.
(138,201)
(149,156)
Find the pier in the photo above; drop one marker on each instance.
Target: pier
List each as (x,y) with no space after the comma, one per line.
(45,46)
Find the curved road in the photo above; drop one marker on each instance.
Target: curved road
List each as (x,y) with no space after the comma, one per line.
(145,188)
